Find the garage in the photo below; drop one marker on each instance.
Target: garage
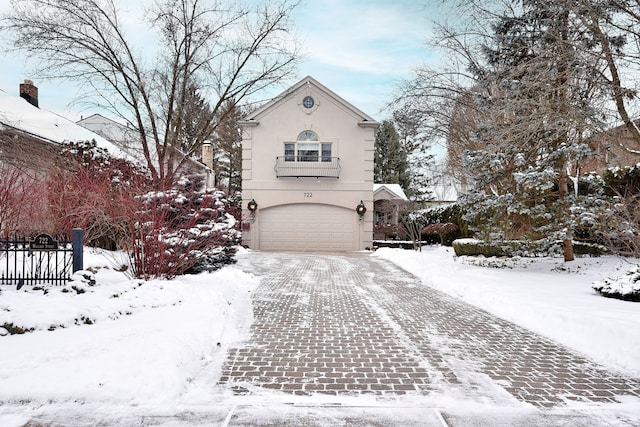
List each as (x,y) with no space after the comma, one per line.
(307,227)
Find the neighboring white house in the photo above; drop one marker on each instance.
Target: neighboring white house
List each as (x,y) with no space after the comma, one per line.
(121,135)
(307,172)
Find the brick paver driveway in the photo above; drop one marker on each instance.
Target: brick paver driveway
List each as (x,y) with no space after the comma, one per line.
(355,324)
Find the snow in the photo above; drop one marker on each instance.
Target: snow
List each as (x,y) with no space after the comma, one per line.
(545,295)
(20,114)
(157,347)
(145,336)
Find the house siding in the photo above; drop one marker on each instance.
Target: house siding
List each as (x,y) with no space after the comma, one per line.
(352,135)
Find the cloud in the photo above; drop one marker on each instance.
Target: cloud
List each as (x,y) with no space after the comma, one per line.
(363,49)
(374,37)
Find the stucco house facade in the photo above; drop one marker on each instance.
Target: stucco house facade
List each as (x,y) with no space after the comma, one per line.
(307,172)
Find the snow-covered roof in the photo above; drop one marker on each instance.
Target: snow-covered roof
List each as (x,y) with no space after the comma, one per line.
(394,189)
(17,113)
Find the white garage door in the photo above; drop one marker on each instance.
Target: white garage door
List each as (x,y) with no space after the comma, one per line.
(307,227)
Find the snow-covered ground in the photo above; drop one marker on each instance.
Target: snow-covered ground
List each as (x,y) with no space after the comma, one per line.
(119,341)
(122,346)
(545,295)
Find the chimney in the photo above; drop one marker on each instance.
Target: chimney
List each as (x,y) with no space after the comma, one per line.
(29,92)
(207,155)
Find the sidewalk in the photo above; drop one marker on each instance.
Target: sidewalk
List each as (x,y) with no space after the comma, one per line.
(353,325)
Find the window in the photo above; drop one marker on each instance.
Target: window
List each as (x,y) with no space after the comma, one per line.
(326,152)
(289,152)
(307,135)
(308,102)
(307,152)
(307,149)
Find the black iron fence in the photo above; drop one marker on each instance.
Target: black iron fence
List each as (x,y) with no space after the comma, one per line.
(42,259)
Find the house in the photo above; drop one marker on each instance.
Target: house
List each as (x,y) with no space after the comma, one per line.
(30,136)
(307,172)
(123,136)
(608,150)
(387,201)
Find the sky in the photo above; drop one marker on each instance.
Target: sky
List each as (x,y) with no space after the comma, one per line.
(362,50)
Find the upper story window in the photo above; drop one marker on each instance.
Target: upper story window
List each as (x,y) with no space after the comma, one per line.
(307,135)
(308,102)
(307,149)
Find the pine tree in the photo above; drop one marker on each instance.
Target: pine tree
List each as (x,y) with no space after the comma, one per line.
(391,165)
(535,99)
(227,148)
(415,144)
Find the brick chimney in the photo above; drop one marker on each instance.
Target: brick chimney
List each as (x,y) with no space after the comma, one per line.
(29,92)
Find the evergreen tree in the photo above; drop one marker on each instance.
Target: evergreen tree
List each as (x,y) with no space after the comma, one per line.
(415,144)
(227,148)
(391,165)
(536,104)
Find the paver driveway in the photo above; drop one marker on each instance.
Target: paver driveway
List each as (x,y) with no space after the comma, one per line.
(356,324)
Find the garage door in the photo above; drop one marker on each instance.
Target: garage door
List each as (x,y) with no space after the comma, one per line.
(307,227)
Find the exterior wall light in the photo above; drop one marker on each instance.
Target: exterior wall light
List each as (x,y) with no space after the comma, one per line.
(253,207)
(361,209)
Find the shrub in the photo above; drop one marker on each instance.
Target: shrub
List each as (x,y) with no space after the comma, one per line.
(92,190)
(474,247)
(509,248)
(622,181)
(389,231)
(21,202)
(185,229)
(448,214)
(446,232)
(625,288)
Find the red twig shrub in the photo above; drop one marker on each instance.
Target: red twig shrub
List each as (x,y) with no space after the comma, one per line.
(182,230)
(23,206)
(92,190)
(446,232)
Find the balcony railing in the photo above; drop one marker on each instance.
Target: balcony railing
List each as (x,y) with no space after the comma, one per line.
(302,167)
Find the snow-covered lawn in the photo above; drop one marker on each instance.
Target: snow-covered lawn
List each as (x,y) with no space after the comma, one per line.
(122,343)
(120,340)
(545,295)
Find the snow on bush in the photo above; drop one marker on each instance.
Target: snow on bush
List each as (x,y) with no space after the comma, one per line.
(626,287)
(94,191)
(185,229)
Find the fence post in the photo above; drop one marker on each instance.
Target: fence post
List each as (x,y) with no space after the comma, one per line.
(77,239)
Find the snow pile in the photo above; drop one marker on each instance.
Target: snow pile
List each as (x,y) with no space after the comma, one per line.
(118,340)
(545,295)
(626,287)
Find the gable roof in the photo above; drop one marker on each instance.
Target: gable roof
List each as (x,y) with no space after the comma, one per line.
(388,192)
(17,113)
(363,118)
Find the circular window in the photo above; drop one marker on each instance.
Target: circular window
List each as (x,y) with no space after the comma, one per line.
(308,102)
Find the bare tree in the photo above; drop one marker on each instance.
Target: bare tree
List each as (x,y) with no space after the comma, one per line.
(217,49)
(614,25)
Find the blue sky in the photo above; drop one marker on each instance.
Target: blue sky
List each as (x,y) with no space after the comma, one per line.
(359,49)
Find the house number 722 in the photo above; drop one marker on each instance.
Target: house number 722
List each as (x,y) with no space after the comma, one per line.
(308,194)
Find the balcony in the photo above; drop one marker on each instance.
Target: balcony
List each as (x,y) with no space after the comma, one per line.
(304,167)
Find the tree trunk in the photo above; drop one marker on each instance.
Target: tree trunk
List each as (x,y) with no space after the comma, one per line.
(568,250)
